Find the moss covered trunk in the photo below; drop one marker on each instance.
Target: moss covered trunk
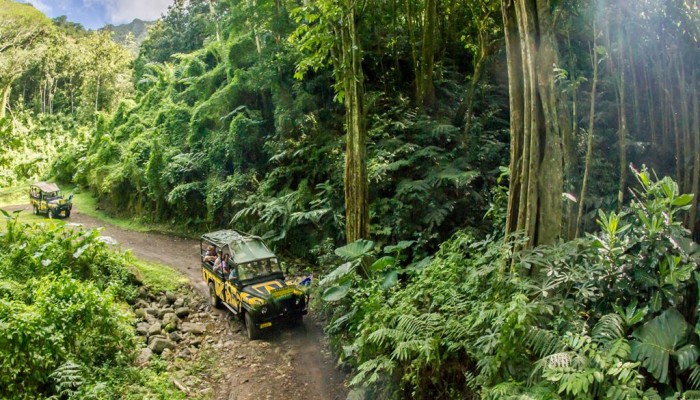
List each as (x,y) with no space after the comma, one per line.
(356,198)
(536,185)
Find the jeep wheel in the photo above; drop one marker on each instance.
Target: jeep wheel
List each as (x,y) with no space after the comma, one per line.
(67,213)
(214,300)
(297,320)
(250,327)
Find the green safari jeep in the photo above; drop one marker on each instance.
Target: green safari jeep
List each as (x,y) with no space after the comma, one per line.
(251,283)
(46,198)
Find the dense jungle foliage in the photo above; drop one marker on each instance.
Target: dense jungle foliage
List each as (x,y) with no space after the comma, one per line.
(480,151)
(66,330)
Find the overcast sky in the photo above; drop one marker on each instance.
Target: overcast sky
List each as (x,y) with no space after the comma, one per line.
(95,14)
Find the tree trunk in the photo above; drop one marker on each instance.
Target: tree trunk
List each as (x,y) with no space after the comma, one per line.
(622,137)
(4,98)
(97,94)
(414,57)
(356,195)
(589,141)
(426,89)
(536,183)
(696,159)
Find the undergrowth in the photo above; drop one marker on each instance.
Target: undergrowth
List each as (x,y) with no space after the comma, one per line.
(612,315)
(66,330)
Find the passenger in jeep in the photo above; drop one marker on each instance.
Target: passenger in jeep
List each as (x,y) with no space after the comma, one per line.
(210,255)
(221,264)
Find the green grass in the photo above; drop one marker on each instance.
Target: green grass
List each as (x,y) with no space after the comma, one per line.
(86,204)
(14,195)
(159,277)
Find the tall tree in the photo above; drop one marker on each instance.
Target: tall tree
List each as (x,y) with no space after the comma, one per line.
(335,34)
(536,181)
(425,89)
(21,28)
(591,129)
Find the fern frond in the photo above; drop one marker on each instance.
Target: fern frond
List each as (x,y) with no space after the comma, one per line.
(422,326)
(564,359)
(610,328)
(385,335)
(405,350)
(68,378)
(543,342)
(694,377)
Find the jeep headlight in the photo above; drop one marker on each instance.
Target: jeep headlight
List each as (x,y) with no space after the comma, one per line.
(263,310)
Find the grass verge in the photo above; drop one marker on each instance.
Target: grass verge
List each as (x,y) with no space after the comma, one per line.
(159,277)
(13,195)
(86,204)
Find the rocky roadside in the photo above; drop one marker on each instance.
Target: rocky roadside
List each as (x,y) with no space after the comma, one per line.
(207,353)
(172,324)
(177,328)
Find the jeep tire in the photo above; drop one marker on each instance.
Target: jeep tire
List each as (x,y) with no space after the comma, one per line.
(251,328)
(214,300)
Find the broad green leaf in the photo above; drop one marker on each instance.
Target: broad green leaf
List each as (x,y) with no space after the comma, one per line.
(402,245)
(335,293)
(80,251)
(420,264)
(357,394)
(390,279)
(659,339)
(382,263)
(338,273)
(682,200)
(687,356)
(355,249)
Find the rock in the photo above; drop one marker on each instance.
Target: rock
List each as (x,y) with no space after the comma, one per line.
(194,328)
(154,337)
(151,310)
(151,319)
(140,312)
(159,344)
(185,353)
(170,318)
(179,302)
(175,337)
(143,293)
(140,303)
(162,311)
(154,329)
(167,353)
(142,328)
(196,342)
(144,356)
(182,312)
(171,297)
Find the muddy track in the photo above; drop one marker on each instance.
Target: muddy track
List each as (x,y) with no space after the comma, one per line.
(292,363)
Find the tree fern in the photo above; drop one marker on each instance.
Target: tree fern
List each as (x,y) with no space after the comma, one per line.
(67,379)
(544,342)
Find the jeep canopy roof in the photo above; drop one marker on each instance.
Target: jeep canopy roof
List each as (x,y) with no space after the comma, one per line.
(47,187)
(243,248)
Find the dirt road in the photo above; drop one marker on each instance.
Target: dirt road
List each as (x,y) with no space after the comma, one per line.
(292,363)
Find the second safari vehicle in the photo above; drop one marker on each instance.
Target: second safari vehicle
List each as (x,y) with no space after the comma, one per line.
(252,286)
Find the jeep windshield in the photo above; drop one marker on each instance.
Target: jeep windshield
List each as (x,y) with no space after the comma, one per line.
(259,269)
